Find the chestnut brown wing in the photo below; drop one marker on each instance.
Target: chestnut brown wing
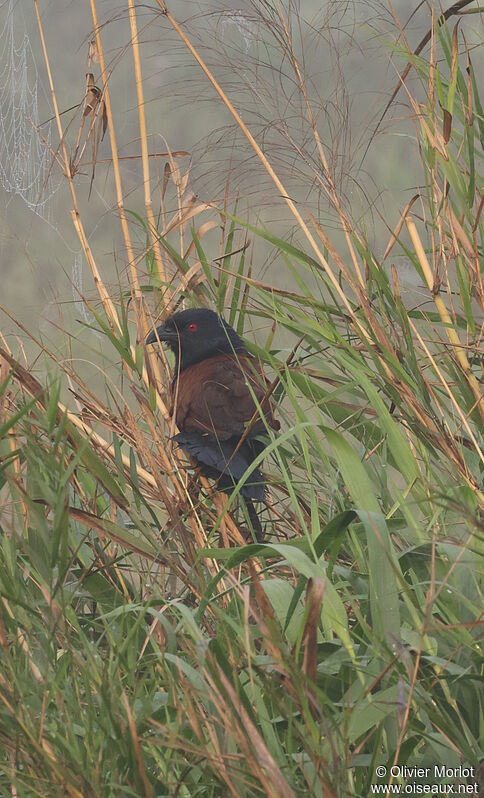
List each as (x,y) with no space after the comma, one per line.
(214,396)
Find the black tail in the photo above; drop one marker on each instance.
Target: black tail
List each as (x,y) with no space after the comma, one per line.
(254,519)
(218,461)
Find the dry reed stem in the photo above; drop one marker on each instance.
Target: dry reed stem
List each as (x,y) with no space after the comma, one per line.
(406,716)
(398,227)
(144,142)
(333,194)
(263,764)
(103,294)
(456,8)
(148,789)
(34,389)
(267,165)
(107,448)
(22,642)
(76,218)
(138,304)
(114,149)
(180,185)
(13,442)
(445,317)
(377,330)
(461,415)
(194,709)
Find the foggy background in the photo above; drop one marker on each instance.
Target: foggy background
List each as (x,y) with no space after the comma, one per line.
(344,49)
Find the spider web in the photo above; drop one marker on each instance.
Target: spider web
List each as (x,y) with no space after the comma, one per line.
(77,289)
(25,154)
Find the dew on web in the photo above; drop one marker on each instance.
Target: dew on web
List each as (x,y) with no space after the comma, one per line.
(77,292)
(25,153)
(241,23)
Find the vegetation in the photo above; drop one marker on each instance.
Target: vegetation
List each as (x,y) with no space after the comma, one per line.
(146,648)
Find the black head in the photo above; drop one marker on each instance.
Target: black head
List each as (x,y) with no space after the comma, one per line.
(195,335)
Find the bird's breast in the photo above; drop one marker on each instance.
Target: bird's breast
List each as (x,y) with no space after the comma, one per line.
(217,395)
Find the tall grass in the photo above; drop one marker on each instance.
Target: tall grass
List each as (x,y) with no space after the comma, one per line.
(141,657)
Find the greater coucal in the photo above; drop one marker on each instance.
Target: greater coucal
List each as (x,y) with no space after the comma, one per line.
(213,389)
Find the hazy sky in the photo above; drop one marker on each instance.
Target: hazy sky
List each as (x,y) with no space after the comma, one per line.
(344,52)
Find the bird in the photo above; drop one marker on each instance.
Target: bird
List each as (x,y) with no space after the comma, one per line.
(217,389)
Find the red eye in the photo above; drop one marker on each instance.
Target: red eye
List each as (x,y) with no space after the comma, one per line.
(192,327)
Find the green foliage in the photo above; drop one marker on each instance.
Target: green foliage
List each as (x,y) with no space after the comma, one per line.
(140,658)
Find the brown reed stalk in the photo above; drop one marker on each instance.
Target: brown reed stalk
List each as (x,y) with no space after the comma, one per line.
(106,301)
(144,142)
(114,150)
(357,289)
(330,189)
(449,327)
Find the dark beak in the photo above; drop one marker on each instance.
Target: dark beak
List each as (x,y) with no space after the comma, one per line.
(163,334)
